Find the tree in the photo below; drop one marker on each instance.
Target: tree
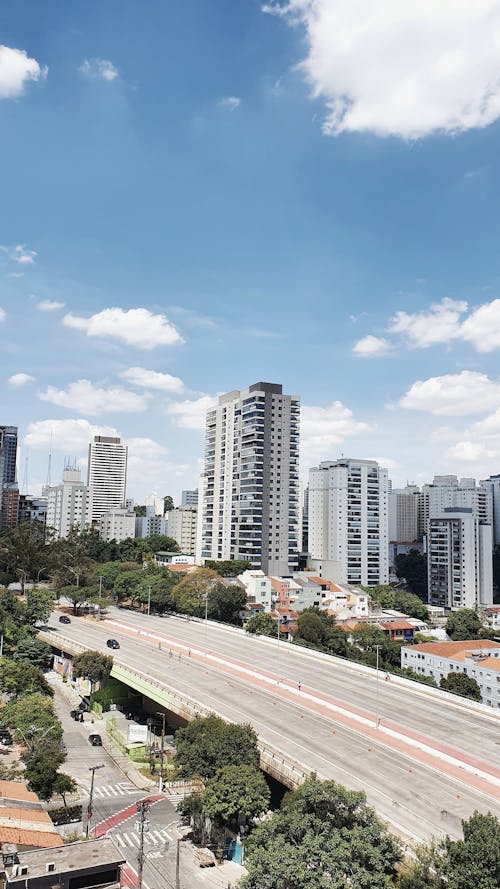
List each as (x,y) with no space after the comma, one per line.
(62,785)
(94,666)
(262,624)
(127,583)
(72,563)
(156,543)
(168,504)
(471,863)
(41,767)
(461,684)
(226,602)
(32,717)
(228,568)
(162,583)
(236,790)
(20,679)
(412,567)
(23,551)
(77,595)
(399,600)
(32,650)
(39,606)
(208,744)
(322,836)
(109,572)
(190,593)
(463,624)
(140,511)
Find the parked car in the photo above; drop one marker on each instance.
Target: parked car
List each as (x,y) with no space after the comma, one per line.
(5,739)
(95,740)
(77,715)
(64,619)
(113,643)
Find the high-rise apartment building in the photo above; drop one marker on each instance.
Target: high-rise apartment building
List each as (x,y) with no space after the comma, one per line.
(107,477)
(459,559)
(189,498)
(348,519)
(66,503)
(117,524)
(250,485)
(492,485)
(448,492)
(181,526)
(405,514)
(9,493)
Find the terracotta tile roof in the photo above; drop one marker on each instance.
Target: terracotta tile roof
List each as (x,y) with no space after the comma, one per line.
(16,790)
(180,568)
(491,663)
(455,650)
(37,838)
(396,625)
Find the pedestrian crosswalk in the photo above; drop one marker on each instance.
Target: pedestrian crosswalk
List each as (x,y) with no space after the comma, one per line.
(108,791)
(152,838)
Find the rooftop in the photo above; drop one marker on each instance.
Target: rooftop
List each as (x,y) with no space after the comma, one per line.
(23,820)
(70,857)
(457,651)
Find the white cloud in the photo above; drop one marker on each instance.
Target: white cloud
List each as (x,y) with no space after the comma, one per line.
(480,443)
(191,414)
(482,327)
(148,466)
(16,69)
(69,436)
(401,69)
(88,399)
(323,428)
(20,254)
(99,69)
(3,315)
(230,103)
(152,379)
(136,327)
(49,305)
(15,275)
(369,346)
(468,392)
(20,379)
(439,324)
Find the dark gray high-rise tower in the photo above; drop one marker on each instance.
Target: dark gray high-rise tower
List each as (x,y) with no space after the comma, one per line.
(9,495)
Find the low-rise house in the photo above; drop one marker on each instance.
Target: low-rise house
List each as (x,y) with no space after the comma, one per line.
(477,658)
(23,820)
(398,630)
(258,588)
(95,864)
(492,616)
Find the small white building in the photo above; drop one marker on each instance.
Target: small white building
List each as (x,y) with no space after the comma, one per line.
(258,588)
(477,658)
(117,524)
(164,558)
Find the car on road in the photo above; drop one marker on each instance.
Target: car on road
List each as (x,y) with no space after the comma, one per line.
(5,739)
(113,643)
(95,740)
(64,619)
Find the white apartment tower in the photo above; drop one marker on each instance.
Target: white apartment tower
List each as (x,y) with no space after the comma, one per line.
(107,477)
(492,486)
(181,526)
(405,515)
(249,497)
(459,560)
(66,503)
(348,519)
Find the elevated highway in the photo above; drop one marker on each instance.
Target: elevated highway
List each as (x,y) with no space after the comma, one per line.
(424,759)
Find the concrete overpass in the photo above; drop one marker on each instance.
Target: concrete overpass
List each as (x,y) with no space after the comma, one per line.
(424,759)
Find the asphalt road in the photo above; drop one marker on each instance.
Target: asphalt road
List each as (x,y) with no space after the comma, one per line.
(416,798)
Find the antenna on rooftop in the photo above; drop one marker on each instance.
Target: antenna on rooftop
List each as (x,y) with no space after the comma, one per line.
(49,465)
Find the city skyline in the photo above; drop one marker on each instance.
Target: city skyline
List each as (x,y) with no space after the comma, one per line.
(184,199)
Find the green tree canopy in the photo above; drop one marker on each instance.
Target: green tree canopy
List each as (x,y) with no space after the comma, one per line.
(226,602)
(39,605)
(399,600)
(463,624)
(412,567)
(168,503)
(32,650)
(323,837)
(236,790)
(461,684)
(32,717)
(127,583)
(208,744)
(18,679)
(262,624)
(190,593)
(228,568)
(23,551)
(72,563)
(93,665)
(41,765)
(470,863)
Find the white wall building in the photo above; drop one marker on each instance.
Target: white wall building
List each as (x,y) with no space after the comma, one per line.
(66,503)
(404,509)
(181,526)
(117,524)
(189,498)
(479,659)
(449,492)
(348,519)
(107,477)
(459,560)
(258,588)
(250,486)
(150,524)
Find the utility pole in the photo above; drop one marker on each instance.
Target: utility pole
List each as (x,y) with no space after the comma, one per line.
(142,825)
(162,749)
(177,866)
(149,600)
(377,718)
(92,769)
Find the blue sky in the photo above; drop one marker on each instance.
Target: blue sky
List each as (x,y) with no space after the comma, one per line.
(302,193)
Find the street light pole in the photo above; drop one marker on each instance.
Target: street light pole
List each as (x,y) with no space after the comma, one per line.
(149,599)
(162,748)
(92,769)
